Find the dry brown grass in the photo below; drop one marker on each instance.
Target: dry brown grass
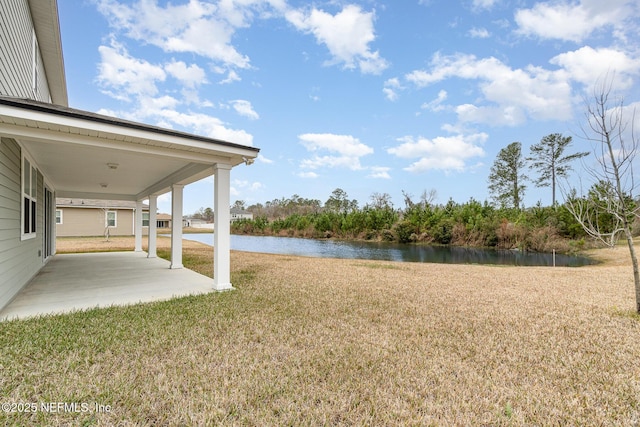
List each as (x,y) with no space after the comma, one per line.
(340,342)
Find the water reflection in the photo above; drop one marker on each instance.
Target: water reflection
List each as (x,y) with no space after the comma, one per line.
(390,251)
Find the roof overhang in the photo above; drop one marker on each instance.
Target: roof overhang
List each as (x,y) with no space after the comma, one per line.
(86,155)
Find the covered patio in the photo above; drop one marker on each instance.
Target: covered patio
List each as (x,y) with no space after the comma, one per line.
(85,155)
(71,282)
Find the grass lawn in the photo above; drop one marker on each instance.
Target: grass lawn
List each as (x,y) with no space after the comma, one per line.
(309,341)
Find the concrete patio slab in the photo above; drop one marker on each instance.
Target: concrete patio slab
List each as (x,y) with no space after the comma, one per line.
(81,281)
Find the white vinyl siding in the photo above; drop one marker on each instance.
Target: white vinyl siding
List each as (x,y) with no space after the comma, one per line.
(20,259)
(18,77)
(35,65)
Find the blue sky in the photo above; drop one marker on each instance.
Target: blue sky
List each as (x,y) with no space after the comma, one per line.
(368,96)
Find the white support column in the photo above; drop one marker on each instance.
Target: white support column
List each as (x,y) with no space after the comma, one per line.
(153,226)
(176,226)
(137,226)
(222,228)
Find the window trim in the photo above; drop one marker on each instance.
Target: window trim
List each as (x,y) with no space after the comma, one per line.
(148,217)
(59,217)
(115,219)
(29,200)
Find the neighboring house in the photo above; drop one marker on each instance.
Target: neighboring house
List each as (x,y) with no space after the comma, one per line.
(237,214)
(92,217)
(48,150)
(199,223)
(163,221)
(195,222)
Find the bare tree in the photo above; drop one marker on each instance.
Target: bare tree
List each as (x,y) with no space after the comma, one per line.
(381,201)
(613,193)
(427,198)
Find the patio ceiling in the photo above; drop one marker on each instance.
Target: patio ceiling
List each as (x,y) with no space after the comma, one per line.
(86,155)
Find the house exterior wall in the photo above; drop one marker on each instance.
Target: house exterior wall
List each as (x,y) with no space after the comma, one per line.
(20,259)
(17,54)
(22,75)
(92,222)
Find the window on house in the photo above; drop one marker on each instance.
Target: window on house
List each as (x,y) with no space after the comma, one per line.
(58,216)
(145,219)
(29,199)
(112,219)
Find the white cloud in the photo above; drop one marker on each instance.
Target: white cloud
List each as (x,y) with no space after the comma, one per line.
(343,144)
(189,75)
(588,65)
(348,151)
(244,108)
(309,175)
(135,80)
(263,159)
(441,153)
(123,75)
(381,172)
(496,116)
(391,88)
(436,104)
(484,4)
(513,94)
(574,21)
(231,77)
(479,33)
(246,185)
(347,35)
(195,27)
(204,124)
(198,123)
(159,103)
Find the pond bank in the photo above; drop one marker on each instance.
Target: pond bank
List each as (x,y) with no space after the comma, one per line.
(348,249)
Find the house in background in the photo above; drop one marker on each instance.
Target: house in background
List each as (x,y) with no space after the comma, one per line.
(92,217)
(163,220)
(49,150)
(238,214)
(194,222)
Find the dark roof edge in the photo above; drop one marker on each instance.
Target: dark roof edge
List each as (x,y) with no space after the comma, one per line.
(60,110)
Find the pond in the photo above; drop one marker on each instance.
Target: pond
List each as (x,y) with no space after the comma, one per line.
(391,251)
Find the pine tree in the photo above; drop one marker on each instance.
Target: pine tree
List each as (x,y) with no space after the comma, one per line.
(506,177)
(547,158)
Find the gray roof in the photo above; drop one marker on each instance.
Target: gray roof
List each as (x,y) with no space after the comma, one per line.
(238,211)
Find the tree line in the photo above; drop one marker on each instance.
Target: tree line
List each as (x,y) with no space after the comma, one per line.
(504,223)
(472,223)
